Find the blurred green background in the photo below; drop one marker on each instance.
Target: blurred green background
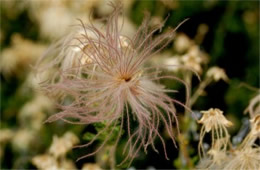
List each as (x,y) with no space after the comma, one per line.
(29,27)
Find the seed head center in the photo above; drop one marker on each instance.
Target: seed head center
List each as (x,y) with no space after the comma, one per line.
(125,78)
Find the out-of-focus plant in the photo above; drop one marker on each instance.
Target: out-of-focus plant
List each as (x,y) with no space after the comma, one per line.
(18,57)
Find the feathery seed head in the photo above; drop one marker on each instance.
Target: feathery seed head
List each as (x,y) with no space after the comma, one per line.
(107,77)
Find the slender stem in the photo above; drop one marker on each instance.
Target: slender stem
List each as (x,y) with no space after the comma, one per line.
(187,79)
(185,127)
(199,91)
(112,157)
(184,152)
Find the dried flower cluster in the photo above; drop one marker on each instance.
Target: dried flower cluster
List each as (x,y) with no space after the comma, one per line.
(101,77)
(55,158)
(243,156)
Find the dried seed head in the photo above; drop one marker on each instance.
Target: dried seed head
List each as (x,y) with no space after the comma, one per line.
(218,151)
(217,156)
(182,43)
(60,146)
(248,159)
(194,58)
(213,120)
(217,74)
(47,162)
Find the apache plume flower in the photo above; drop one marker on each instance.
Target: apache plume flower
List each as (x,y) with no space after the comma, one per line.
(109,78)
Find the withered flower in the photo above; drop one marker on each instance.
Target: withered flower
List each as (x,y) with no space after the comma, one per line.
(215,122)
